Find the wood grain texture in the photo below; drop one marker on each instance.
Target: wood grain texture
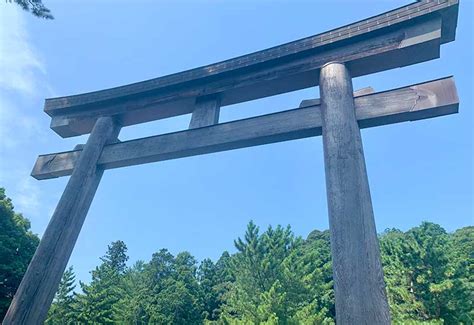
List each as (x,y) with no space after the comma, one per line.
(425,100)
(36,291)
(206,112)
(357,270)
(394,47)
(317,101)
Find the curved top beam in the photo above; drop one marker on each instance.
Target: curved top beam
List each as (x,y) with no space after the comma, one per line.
(275,70)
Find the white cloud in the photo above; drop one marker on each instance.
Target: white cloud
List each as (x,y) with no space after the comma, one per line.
(27,198)
(23,189)
(13,119)
(20,64)
(23,84)
(22,79)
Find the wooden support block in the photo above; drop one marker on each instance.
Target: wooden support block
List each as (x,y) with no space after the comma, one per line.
(425,100)
(357,269)
(205,113)
(36,291)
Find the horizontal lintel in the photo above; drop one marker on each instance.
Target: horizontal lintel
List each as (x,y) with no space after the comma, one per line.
(394,46)
(421,101)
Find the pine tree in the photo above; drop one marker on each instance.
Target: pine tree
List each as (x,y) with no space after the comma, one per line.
(62,310)
(130,309)
(279,279)
(96,304)
(36,7)
(275,278)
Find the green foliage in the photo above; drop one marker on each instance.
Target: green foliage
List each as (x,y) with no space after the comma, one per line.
(174,296)
(17,246)
(130,308)
(279,279)
(36,7)
(273,278)
(63,310)
(428,273)
(96,304)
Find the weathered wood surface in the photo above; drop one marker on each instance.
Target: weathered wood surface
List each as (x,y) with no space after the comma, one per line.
(359,286)
(425,100)
(317,101)
(447,9)
(36,291)
(206,112)
(413,41)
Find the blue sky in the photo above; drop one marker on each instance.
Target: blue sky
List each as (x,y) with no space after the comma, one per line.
(417,171)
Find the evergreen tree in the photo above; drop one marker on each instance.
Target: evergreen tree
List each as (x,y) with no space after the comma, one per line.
(215,281)
(36,7)
(278,280)
(462,293)
(175,296)
(427,274)
(130,309)
(207,276)
(62,310)
(399,253)
(96,304)
(274,278)
(17,246)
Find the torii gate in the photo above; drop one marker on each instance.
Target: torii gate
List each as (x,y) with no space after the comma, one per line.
(404,36)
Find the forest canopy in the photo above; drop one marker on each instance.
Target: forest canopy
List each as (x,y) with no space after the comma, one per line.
(274,277)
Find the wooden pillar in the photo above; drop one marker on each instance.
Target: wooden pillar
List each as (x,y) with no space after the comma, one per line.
(358,277)
(36,292)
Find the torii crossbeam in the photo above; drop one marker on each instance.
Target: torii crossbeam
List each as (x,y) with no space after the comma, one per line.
(401,37)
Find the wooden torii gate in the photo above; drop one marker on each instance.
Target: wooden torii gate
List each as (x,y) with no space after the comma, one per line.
(401,37)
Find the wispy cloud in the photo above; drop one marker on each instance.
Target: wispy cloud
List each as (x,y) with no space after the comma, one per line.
(12,120)
(20,64)
(23,85)
(26,193)
(22,79)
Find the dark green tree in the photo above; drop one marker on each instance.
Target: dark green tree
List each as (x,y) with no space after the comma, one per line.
(62,310)
(399,253)
(96,304)
(131,308)
(209,281)
(36,7)
(432,270)
(116,257)
(462,299)
(175,296)
(215,280)
(17,246)
(427,274)
(278,280)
